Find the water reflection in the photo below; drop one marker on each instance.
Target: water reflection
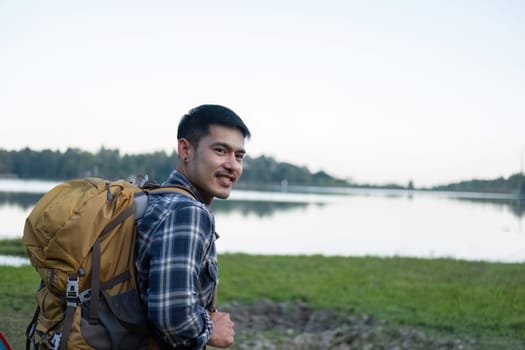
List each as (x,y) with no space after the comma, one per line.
(22,200)
(516,207)
(266,208)
(26,201)
(260,208)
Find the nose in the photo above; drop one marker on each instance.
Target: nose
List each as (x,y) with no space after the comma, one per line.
(233,163)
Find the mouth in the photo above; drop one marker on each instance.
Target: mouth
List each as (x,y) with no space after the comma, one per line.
(226,179)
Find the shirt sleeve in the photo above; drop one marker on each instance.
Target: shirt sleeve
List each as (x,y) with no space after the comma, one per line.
(178,249)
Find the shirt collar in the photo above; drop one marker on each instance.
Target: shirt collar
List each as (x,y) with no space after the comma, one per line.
(176,178)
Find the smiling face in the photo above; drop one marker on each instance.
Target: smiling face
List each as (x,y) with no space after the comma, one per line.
(215,165)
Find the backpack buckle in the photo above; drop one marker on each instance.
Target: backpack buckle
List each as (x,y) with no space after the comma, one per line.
(84,296)
(72,290)
(55,341)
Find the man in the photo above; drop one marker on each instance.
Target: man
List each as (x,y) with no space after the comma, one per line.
(175,250)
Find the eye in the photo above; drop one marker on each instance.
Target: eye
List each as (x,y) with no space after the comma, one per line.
(220,150)
(239,156)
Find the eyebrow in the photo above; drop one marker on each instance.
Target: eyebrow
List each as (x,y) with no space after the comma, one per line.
(228,146)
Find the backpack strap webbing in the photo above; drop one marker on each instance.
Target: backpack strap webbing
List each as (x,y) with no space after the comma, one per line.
(72,294)
(95,284)
(172,188)
(30,330)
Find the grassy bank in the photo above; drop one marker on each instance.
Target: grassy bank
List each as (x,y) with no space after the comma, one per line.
(464,299)
(12,247)
(478,299)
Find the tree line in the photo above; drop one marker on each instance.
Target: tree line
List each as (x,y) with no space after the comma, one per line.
(513,184)
(260,171)
(110,164)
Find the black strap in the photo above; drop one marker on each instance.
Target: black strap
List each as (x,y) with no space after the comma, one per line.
(31,327)
(115,280)
(86,294)
(95,283)
(68,322)
(30,330)
(117,221)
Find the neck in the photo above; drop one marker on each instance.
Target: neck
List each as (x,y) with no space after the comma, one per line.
(182,170)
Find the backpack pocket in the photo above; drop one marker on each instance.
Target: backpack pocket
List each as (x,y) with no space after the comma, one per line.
(121,325)
(50,317)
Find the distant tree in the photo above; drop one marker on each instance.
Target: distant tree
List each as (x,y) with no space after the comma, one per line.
(6,166)
(498,185)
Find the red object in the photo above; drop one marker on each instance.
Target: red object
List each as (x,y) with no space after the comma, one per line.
(3,343)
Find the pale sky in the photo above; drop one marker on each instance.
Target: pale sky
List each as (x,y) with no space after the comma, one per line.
(374,91)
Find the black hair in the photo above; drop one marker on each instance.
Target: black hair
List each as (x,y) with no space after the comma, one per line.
(196,123)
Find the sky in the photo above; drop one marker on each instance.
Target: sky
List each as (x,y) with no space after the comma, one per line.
(371,91)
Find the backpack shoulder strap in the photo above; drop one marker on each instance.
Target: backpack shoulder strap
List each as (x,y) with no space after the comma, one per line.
(173,188)
(141,198)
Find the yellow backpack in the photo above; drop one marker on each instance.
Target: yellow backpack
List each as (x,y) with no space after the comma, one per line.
(80,238)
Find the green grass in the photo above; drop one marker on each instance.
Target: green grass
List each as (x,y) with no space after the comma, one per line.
(475,299)
(12,247)
(17,302)
(440,296)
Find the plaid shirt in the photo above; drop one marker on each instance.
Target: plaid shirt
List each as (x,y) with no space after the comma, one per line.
(177,266)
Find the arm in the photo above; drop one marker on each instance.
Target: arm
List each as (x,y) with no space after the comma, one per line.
(178,248)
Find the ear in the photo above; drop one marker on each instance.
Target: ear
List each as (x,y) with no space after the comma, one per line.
(184,148)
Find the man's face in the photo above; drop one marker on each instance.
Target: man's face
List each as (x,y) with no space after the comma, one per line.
(216,164)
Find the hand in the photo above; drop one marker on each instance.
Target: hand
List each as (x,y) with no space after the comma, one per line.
(223,332)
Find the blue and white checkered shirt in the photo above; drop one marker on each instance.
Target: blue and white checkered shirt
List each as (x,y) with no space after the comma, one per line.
(177,266)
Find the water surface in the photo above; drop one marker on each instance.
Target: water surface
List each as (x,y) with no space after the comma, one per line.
(346,222)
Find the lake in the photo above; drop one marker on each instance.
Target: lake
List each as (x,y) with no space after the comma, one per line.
(343,222)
